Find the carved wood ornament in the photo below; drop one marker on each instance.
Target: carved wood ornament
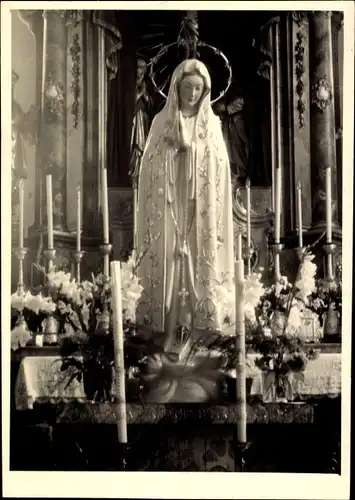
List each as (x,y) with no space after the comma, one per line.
(322,93)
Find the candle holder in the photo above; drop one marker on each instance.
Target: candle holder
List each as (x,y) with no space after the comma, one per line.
(20,254)
(50,256)
(329,249)
(106,249)
(248,255)
(241,452)
(277,249)
(122,457)
(78,255)
(104,317)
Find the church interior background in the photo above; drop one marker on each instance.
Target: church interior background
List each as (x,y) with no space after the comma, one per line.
(74,99)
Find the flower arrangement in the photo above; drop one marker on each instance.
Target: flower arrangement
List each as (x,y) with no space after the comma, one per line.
(327,296)
(283,359)
(28,313)
(283,305)
(74,306)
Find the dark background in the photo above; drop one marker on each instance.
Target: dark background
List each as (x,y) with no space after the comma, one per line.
(232,32)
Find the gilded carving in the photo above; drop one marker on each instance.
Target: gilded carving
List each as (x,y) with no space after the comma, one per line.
(75,51)
(300,71)
(71,17)
(322,93)
(299,17)
(54,100)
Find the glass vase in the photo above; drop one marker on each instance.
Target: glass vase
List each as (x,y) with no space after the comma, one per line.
(331,330)
(50,327)
(277,323)
(277,387)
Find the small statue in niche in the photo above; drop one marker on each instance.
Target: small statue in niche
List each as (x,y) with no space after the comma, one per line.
(141,121)
(230,110)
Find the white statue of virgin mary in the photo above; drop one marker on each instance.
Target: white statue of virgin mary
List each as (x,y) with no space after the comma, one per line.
(185,213)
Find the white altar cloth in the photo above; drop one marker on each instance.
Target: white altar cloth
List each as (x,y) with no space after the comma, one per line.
(40,380)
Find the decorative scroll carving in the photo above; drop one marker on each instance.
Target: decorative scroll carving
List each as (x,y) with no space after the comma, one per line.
(184,413)
(54,100)
(299,17)
(71,17)
(322,93)
(300,71)
(75,51)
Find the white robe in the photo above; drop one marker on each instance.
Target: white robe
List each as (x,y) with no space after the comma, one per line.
(185,220)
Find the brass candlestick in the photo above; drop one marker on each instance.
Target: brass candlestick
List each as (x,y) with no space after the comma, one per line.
(50,256)
(277,249)
(106,249)
(103,318)
(329,249)
(248,254)
(78,255)
(20,254)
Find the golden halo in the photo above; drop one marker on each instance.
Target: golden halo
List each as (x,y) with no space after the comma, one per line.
(218,52)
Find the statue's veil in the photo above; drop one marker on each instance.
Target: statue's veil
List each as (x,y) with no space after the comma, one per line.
(212,262)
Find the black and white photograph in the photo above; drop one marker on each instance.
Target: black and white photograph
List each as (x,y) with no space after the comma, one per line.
(181,173)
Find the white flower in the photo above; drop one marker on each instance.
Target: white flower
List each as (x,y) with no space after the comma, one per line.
(253,290)
(127,268)
(281,284)
(47,305)
(249,312)
(224,296)
(33,302)
(37,303)
(70,290)
(86,290)
(20,335)
(294,323)
(57,278)
(18,301)
(306,282)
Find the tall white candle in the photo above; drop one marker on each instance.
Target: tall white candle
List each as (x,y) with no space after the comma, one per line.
(105,205)
(49,211)
(247,185)
(328,202)
(240,351)
(21,208)
(78,219)
(121,410)
(239,247)
(299,215)
(277,204)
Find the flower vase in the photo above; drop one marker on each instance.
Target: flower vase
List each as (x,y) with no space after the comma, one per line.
(277,388)
(97,379)
(20,334)
(50,328)
(331,332)
(277,323)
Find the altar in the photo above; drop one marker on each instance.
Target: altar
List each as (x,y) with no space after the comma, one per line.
(232,361)
(171,437)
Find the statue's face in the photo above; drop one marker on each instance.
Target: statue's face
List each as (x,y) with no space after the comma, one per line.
(191,89)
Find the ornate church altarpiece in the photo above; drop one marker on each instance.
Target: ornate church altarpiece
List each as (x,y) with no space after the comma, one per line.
(87,72)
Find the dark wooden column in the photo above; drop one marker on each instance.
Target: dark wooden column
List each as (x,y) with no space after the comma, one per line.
(323,150)
(53,129)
